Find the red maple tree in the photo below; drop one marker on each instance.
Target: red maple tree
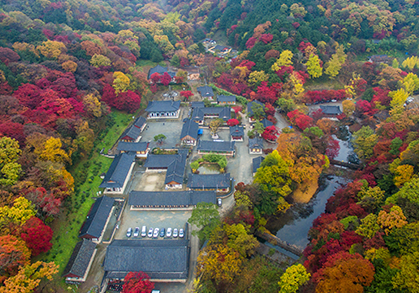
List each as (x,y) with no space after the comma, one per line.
(137,282)
(37,236)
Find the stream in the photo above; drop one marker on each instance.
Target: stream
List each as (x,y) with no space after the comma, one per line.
(294,225)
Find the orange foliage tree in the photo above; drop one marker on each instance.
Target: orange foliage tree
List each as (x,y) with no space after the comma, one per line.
(344,272)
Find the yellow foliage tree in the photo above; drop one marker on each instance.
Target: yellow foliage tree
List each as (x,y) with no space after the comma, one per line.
(411,83)
(411,62)
(29,277)
(92,105)
(313,66)
(53,152)
(69,66)
(219,262)
(398,98)
(164,44)
(333,66)
(348,107)
(294,277)
(51,49)
(256,77)
(21,211)
(403,174)
(120,82)
(100,60)
(283,60)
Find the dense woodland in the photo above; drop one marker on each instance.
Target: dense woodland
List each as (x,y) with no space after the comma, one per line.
(65,65)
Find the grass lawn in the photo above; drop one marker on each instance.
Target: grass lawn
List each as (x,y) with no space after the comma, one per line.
(67,226)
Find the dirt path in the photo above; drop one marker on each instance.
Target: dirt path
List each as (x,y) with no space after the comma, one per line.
(96,272)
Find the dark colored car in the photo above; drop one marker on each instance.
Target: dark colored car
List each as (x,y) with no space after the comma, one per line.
(129,232)
(162,232)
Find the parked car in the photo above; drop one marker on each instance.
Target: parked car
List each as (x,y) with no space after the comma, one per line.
(136,231)
(150,233)
(129,232)
(219,202)
(162,232)
(144,231)
(156,233)
(169,232)
(181,233)
(175,234)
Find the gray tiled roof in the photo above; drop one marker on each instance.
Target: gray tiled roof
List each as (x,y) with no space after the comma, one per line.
(80,258)
(237,131)
(132,132)
(196,181)
(163,106)
(118,171)
(265,122)
(250,104)
(189,128)
(215,146)
(256,163)
(139,122)
(132,146)
(165,259)
(159,161)
(331,110)
(226,98)
(222,112)
(185,198)
(159,69)
(96,219)
(197,105)
(205,91)
(256,143)
(176,170)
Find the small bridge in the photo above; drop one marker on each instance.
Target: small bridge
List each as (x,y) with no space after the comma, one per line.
(345,164)
(281,243)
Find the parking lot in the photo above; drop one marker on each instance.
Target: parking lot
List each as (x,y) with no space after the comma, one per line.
(151,219)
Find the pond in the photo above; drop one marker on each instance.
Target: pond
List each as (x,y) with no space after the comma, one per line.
(209,169)
(294,225)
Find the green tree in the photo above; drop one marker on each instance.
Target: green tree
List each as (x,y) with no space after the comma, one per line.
(313,66)
(258,111)
(159,138)
(294,277)
(364,141)
(408,276)
(240,240)
(206,217)
(274,172)
(395,146)
(258,127)
(409,191)
(368,227)
(175,61)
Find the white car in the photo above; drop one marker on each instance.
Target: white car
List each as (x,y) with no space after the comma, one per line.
(169,232)
(156,232)
(150,233)
(175,232)
(181,233)
(129,232)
